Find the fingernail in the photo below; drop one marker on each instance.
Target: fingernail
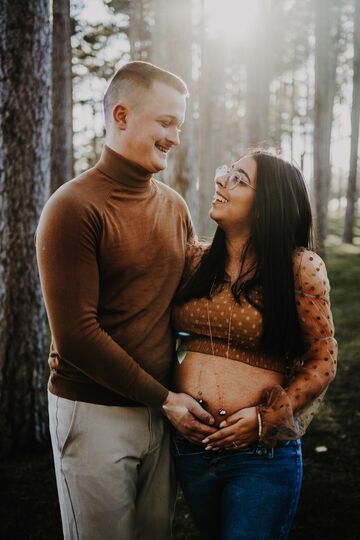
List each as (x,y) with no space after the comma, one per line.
(206,440)
(208,447)
(211,421)
(223,423)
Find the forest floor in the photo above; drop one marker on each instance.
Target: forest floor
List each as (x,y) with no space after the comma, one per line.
(330,500)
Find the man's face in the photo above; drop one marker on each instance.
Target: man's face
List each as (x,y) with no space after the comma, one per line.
(153,123)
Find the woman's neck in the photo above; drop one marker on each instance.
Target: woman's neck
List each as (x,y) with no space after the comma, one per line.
(235,245)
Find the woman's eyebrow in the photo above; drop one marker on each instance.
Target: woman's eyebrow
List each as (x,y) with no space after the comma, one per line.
(244,172)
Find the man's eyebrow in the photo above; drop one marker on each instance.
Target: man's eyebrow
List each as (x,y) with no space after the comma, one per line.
(172,117)
(244,172)
(168,116)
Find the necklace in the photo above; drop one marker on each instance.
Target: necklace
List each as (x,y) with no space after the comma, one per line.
(222,410)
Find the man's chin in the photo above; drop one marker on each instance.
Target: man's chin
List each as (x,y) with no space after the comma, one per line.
(159,165)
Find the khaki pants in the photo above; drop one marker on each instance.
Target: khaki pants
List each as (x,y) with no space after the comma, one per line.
(113,471)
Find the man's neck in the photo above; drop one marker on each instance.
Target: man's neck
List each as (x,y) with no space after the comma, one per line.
(126,173)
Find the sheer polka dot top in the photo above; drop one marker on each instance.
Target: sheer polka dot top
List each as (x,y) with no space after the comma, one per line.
(236,333)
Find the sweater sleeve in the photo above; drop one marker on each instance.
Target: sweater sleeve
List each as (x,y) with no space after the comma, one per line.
(286,411)
(66,245)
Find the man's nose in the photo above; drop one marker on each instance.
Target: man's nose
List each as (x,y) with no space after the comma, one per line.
(174,137)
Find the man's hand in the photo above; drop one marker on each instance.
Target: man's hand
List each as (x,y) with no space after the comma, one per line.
(240,428)
(188,417)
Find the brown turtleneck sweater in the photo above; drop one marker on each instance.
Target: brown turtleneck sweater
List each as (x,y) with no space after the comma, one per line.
(111,251)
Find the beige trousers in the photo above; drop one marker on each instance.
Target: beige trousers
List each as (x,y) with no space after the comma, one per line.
(113,471)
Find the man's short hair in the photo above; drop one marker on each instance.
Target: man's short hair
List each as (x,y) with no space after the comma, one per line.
(134,76)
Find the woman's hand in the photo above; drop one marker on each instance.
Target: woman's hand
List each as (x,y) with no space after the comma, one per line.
(239,430)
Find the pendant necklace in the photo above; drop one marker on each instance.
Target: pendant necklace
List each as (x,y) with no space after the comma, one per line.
(222,411)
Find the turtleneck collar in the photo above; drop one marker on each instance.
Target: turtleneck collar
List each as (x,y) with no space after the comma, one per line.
(127,173)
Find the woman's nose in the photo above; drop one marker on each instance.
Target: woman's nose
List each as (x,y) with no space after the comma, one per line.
(221,181)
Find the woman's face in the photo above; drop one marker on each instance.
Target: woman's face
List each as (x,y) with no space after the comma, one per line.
(233,200)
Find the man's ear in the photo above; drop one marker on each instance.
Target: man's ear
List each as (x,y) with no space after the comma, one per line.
(119,114)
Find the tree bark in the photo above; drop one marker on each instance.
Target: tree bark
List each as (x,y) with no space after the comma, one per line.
(355,119)
(259,68)
(139,31)
(62,131)
(325,84)
(212,132)
(176,56)
(257,103)
(25,114)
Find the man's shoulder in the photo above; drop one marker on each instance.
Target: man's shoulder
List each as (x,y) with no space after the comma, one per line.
(171,195)
(82,190)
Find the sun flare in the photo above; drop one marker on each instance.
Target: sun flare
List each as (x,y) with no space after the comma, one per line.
(234,20)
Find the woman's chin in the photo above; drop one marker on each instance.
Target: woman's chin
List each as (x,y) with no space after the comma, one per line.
(213,214)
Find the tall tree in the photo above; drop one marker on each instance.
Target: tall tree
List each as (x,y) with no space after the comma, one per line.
(97,49)
(62,132)
(262,49)
(257,93)
(326,26)
(355,119)
(25,120)
(175,20)
(140,30)
(212,128)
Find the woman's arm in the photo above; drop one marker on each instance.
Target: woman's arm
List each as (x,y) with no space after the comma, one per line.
(316,369)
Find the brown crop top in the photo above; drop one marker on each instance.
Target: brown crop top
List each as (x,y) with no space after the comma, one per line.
(285,413)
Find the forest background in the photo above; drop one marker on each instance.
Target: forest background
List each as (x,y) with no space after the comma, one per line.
(283,74)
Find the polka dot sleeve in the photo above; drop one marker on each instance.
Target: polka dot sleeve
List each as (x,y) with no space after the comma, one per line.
(286,412)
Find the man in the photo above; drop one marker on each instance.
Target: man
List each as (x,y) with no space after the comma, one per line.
(110,247)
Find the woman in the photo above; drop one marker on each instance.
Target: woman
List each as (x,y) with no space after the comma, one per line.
(257,349)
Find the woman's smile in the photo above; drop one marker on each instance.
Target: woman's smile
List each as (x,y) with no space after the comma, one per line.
(218,198)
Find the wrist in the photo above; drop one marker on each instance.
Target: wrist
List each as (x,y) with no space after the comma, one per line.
(259,423)
(172,405)
(169,399)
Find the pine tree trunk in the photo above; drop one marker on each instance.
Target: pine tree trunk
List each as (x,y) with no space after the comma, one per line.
(355,119)
(62,132)
(325,82)
(25,120)
(259,75)
(257,103)
(212,151)
(176,56)
(139,32)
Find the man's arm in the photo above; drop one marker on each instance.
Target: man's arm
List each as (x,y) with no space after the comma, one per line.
(66,244)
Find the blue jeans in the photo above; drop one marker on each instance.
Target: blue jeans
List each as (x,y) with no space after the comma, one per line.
(245,494)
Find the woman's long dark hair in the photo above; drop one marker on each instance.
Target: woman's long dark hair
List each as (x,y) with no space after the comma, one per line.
(281,221)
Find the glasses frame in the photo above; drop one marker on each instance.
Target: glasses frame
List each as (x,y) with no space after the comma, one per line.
(224,170)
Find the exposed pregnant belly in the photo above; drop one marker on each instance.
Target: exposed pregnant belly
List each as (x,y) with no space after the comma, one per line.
(222,383)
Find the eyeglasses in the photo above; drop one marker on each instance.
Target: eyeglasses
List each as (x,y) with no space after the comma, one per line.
(234,177)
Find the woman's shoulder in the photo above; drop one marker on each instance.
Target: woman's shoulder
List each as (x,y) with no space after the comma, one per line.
(195,249)
(310,275)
